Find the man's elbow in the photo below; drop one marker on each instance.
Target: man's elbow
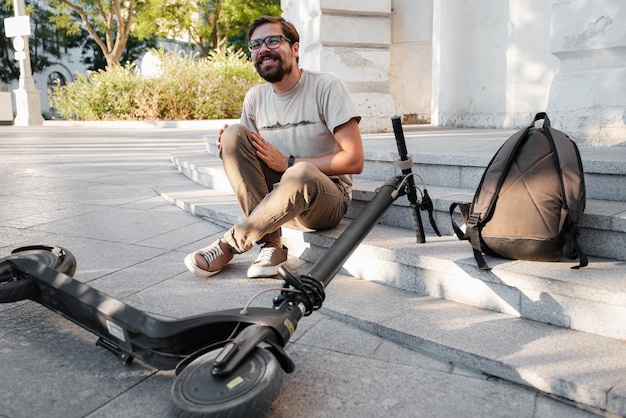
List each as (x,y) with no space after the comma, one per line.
(357,166)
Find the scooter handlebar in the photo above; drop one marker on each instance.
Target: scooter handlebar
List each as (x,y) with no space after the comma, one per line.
(410,184)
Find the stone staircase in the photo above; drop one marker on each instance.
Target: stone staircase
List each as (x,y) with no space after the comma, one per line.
(551,297)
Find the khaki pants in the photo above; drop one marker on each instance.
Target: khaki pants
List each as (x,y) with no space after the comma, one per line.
(270,199)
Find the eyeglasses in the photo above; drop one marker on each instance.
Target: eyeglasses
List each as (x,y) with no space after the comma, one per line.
(272,42)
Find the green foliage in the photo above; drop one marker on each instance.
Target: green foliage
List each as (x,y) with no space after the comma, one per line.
(165,19)
(46,44)
(93,58)
(237,16)
(108,23)
(228,69)
(208,24)
(9,69)
(188,87)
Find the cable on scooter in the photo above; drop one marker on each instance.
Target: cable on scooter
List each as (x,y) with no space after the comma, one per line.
(244,311)
(311,290)
(427,203)
(314,289)
(397,191)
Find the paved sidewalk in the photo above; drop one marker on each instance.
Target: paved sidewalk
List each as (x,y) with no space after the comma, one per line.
(93,190)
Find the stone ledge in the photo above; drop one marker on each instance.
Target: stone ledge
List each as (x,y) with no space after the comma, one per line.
(581,367)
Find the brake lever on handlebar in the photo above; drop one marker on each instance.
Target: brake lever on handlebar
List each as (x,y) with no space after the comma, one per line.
(237,350)
(427,205)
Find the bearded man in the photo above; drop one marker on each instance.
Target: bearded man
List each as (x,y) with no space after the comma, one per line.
(290,159)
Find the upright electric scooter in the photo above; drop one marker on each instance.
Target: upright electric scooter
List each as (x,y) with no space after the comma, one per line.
(227,362)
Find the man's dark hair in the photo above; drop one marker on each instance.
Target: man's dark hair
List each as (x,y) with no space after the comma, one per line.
(289,30)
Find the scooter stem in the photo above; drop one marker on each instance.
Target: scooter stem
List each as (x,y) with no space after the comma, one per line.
(411,190)
(337,254)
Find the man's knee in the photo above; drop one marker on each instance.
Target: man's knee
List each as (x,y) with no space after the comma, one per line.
(303,173)
(305,180)
(233,136)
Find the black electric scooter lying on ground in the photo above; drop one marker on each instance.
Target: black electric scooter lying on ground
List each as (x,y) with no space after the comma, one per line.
(227,362)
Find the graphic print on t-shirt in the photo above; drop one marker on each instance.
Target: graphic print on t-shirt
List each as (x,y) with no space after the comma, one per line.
(279,125)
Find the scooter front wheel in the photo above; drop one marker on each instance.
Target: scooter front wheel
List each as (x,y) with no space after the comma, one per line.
(16,286)
(247,392)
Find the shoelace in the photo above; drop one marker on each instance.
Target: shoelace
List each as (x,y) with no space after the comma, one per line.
(211,254)
(266,255)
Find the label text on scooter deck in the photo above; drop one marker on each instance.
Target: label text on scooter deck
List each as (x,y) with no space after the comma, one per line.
(116,331)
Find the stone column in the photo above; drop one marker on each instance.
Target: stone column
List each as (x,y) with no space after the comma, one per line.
(410,81)
(350,38)
(588,95)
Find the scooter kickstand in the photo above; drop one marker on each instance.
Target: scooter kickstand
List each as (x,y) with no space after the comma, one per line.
(124,357)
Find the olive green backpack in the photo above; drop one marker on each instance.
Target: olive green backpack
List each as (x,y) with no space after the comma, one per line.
(529,200)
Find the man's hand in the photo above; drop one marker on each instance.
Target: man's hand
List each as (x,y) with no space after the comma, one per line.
(269,154)
(348,160)
(219,136)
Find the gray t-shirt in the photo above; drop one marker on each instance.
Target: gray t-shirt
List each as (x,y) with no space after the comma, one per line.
(301,122)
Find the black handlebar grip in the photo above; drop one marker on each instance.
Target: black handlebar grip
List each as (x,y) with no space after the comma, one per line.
(399,133)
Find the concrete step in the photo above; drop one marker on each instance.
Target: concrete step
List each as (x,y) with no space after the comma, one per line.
(432,298)
(570,365)
(592,299)
(603,225)
(543,325)
(457,158)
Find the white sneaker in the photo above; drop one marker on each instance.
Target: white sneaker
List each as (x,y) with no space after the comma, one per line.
(268,261)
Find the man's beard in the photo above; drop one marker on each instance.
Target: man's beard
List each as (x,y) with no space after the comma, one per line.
(272,74)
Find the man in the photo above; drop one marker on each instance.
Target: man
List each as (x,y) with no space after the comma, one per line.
(291,157)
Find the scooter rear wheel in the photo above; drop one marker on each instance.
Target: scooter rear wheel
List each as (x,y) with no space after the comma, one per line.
(16,286)
(247,392)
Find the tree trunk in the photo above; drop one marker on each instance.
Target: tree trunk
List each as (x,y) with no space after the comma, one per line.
(112,49)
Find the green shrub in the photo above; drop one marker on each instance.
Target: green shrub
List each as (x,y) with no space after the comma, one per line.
(187,88)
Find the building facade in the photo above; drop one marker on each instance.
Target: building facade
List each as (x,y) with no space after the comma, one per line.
(474,63)
(59,72)
(463,63)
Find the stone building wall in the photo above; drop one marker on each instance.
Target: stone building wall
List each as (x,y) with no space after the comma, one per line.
(350,38)
(492,63)
(475,63)
(588,94)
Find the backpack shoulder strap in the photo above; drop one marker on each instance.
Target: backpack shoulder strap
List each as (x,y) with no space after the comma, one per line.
(463,232)
(569,167)
(460,231)
(495,173)
(488,189)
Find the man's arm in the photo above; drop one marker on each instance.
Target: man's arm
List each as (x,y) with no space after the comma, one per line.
(348,160)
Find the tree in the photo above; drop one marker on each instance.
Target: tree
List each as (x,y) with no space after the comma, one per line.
(94,59)
(210,24)
(206,24)
(108,22)
(238,15)
(9,70)
(46,44)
